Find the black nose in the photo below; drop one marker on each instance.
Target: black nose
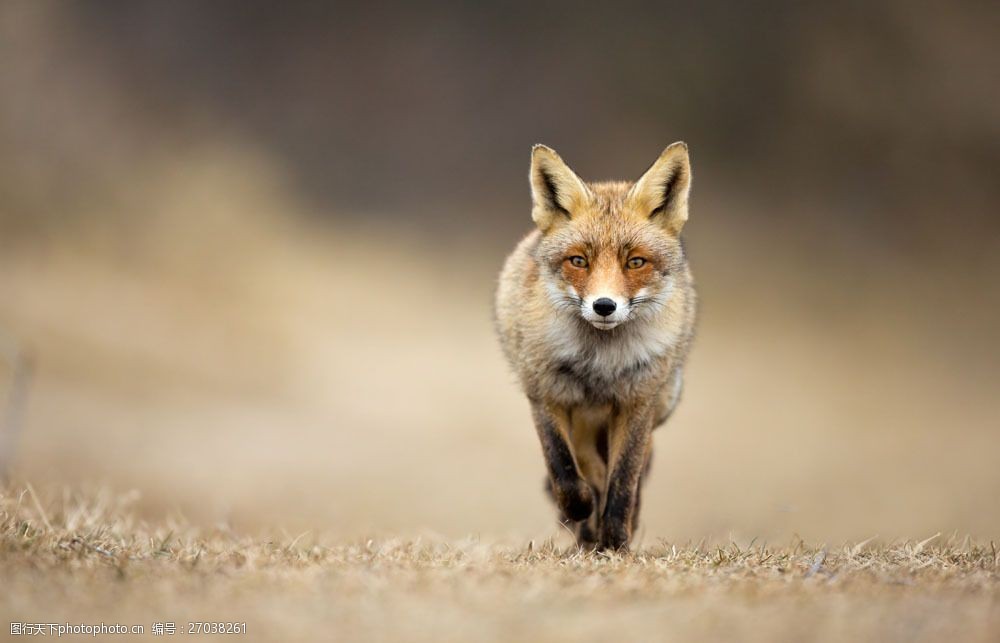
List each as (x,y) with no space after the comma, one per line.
(604,306)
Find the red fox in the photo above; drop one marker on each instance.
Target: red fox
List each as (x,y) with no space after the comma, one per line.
(595,311)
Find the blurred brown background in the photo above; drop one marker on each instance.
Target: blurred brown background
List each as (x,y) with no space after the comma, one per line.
(250,252)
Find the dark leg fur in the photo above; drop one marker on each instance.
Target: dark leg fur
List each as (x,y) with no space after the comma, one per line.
(571,492)
(638,489)
(629,458)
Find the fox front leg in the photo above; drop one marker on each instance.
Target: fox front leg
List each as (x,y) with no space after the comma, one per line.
(572,493)
(629,453)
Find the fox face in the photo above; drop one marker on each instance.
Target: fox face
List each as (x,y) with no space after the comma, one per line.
(609,250)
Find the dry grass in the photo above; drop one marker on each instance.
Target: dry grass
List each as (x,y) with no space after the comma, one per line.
(88,558)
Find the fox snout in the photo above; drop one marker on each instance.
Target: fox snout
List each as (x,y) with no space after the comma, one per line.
(604,310)
(604,306)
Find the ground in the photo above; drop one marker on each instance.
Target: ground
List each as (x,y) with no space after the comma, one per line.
(68,557)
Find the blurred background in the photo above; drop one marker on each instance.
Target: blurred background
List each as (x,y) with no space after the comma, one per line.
(247,255)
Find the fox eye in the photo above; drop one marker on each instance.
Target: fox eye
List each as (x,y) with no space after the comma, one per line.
(636,262)
(578,262)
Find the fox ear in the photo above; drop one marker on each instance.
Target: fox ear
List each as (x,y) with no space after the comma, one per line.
(662,192)
(556,191)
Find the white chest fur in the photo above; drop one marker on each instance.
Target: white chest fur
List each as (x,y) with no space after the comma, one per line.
(589,366)
(608,352)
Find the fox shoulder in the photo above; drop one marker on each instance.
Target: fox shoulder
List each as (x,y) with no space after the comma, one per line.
(518,282)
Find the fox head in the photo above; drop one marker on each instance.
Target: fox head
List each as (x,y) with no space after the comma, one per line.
(610,252)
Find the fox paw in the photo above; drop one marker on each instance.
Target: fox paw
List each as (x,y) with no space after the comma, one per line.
(586,538)
(614,537)
(575,501)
